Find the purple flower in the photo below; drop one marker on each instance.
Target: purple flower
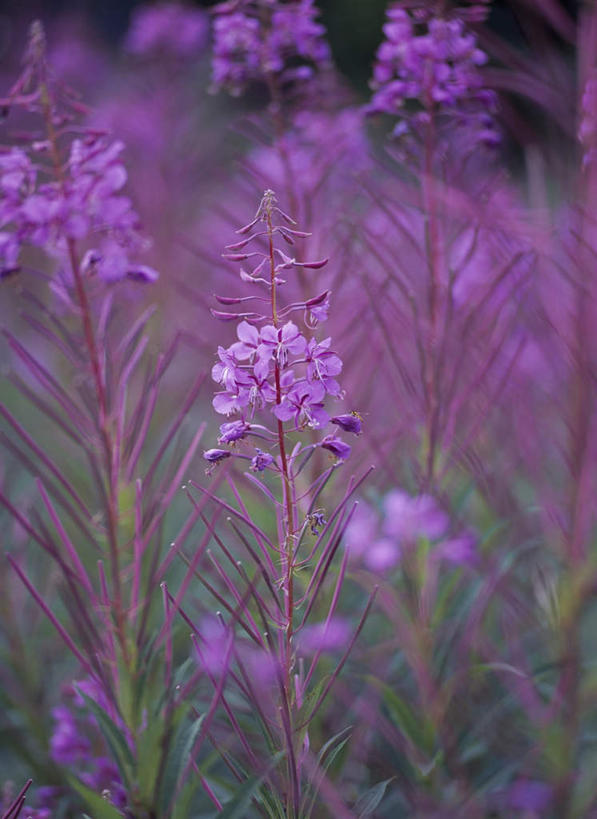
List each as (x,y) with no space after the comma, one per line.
(381,555)
(324,637)
(317,309)
(215,455)
(261,461)
(323,364)
(350,422)
(336,446)
(232,400)
(433,62)
(304,404)
(170,28)
(233,431)
(460,550)
(86,205)
(248,341)
(281,343)
(254,41)
(316,521)
(226,371)
(68,744)
(407,517)
(529,795)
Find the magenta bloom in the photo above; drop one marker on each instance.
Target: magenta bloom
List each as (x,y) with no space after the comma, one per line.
(408,518)
(281,343)
(87,206)
(261,461)
(303,404)
(255,40)
(167,28)
(324,637)
(433,63)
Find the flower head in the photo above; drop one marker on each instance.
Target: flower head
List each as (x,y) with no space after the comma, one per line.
(431,62)
(261,40)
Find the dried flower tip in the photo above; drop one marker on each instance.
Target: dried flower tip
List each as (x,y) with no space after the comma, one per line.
(233,431)
(215,455)
(338,448)
(261,461)
(350,422)
(143,273)
(316,521)
(313,265)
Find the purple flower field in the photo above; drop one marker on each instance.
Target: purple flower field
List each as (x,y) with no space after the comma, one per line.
(298,411)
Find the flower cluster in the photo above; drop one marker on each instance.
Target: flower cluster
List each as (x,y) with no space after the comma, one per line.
(75,742)
(255,40)
(405,520)
(84,203)
(167,28)
(275,366)
(432,62)
(67,186)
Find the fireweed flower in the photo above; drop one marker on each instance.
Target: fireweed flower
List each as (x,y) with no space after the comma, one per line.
(275,367)
(265,41)
(65,189)
(277,378)
(76,743)
(432,62)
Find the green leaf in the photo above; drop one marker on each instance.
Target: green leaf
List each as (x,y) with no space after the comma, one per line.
(100,807)
(417,728)
(178,757)
(149,757)
(114,737)
(236,808)
(371,799)
(325,760)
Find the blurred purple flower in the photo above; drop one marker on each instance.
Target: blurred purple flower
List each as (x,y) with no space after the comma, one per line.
(261,461)
(324,637)
(434,62)
(407,517)
(587,132)
(167,28)
(256,40)
(87,204)
(460,550)
(68,745)
(530,795)
(382,555)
